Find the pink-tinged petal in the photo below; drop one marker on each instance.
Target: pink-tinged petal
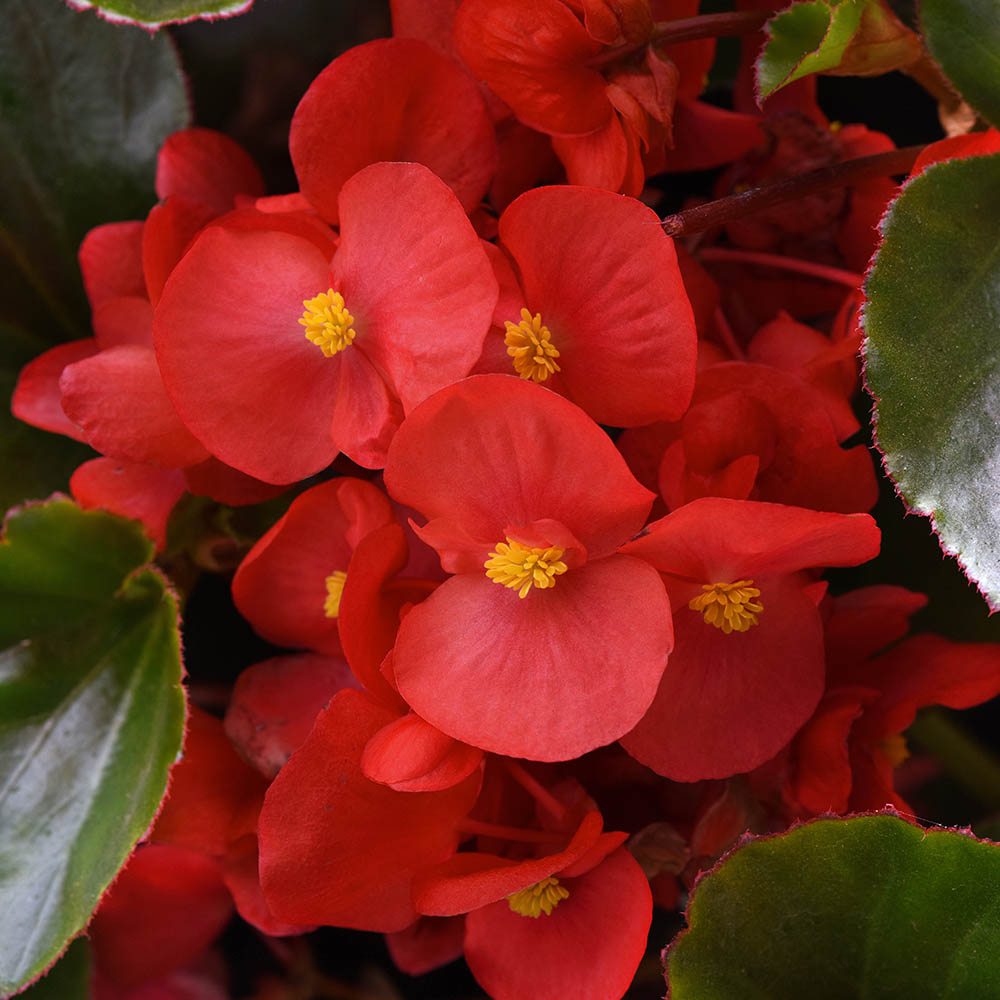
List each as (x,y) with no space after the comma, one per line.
(336,848)
(207,166)
(118,399)
(170,228)
(222,482)
(239,869)
(427,944)
(235,359)
(604,278)
(166,906)
(111,261)
(495,450)
(143,492)
(414,275)
(727,703)
(716,540)
(123,321)
(354,104)
(534,56)
(468,881)
(595,939)
(37,398)
(275,703)
(280,587)
(410,755)
(548,677)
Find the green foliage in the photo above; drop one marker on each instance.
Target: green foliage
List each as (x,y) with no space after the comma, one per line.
(964,37)
(933,358)
(68,979)
(154,13)
(807,38)
(91,718)
(865,907)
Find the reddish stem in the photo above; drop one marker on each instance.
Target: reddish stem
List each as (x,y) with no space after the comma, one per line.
(727,335)
(835,274)
(536,790)
(478,828)
(689,29)
(738,206)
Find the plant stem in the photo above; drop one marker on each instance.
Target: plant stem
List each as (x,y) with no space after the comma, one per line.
(690,29)
(724,255)
(480,829)
(737,206)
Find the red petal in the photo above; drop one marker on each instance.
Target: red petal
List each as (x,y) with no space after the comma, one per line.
(494,450)
(427,944)
(206,166)
(534,56)
(354,103)
(706,136)
(143,492)
(222,482)
(118,399)
(111,262)
(166,906)
(410,755)
(169,230)
(410,266)
(339,849)
(121,321)
(598,159)
(275,703)
(280,587)
(37,398)
(604,278)
(727,703)
(235,360)
(595,939)
(548,677)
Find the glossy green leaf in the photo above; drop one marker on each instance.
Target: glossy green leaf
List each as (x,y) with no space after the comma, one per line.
(91,718)
(68,979)
(871,908)
(86,105)
(964,37)
(154,13)
(807,38)
(933,356)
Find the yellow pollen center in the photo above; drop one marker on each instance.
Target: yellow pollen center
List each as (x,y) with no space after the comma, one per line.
(729,606)
(334,591)
(328,323)
(529,343)
(519,567)
(542,897)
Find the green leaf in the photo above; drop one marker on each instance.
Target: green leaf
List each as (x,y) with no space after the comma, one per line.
(807,38)
(85,107)
(154,13)
(68,979)
(869,907)
(933,356)
(91,718)
(964,37)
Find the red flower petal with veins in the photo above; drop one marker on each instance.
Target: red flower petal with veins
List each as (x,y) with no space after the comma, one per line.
(355,104)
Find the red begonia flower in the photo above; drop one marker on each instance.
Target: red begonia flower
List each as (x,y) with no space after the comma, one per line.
(737,686)
(443,123)
(958,147)
(275,703)
(169,229)
(37,400)
(534,56)
(336,848)
(608,323)
(509,474)
(213,795)
(111,262)
(594,938)
(143,492)
(290,583)
(167,905)
(408,266)
(427,944)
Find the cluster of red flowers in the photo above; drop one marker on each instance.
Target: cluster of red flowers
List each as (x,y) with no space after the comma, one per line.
(544,672)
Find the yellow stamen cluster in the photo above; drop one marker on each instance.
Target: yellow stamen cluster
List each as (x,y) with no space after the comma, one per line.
(328,323)
(542,897)
(334,591)
(729,606)
(529,343)
(519,567)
